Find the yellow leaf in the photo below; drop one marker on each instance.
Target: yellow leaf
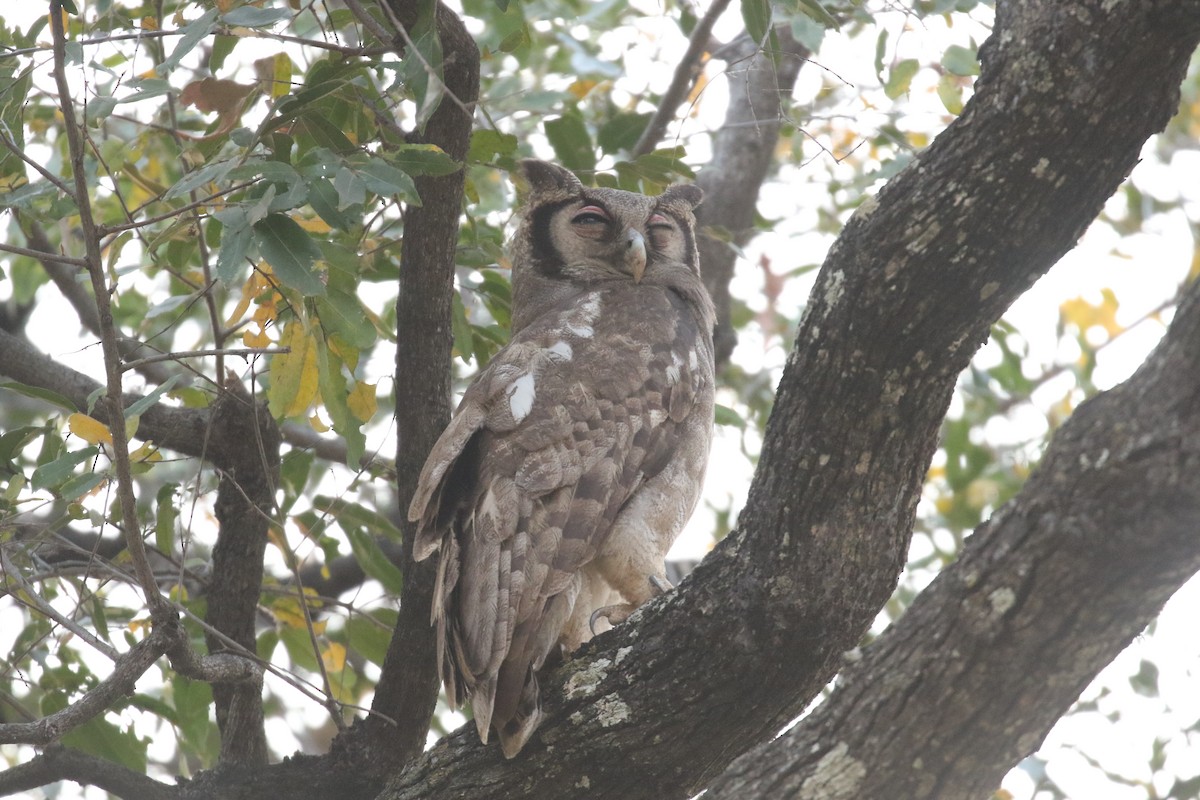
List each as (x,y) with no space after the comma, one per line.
(243,302)
(252,339)
(1194,271)
(362,402)
(275,74)
(1084,315)
(314,225)
(294,375)
(149,23)
(334,657)
(581,87)
(92,431)
(317,424)
(287,611)
(146,453)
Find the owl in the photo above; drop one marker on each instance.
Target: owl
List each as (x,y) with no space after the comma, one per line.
(577,455)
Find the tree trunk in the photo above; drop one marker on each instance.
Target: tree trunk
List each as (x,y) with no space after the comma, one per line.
(662,705)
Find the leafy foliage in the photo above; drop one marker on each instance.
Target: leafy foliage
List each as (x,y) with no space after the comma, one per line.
(248,166)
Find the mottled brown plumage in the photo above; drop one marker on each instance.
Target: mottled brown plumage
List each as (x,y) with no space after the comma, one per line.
(577,455)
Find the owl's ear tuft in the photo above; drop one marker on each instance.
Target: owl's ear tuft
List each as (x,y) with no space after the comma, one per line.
(545,178)
(685,193)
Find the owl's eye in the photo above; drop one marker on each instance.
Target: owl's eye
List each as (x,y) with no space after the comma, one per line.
(591,215)
(658,221)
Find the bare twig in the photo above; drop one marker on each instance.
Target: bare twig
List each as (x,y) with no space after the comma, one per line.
(30,597)
(686,73)
(45,173)
(108,337)
(245,352)
(129,666)
(23,251)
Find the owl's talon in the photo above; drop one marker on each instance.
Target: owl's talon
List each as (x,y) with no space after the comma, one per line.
(661,584)
(615,614)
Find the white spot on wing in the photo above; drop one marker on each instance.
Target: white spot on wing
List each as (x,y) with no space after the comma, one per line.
(520,397)
(560,351)
(673,370)
(582,331)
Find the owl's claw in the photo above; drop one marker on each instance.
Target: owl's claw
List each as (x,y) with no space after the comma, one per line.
(616,614)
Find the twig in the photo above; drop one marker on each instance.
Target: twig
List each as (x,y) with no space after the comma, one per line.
(45,173)
(24,51)
(31,597)
(38,254)
(106,230)
(129,666)
(159,606)
(245,352)
(686,73)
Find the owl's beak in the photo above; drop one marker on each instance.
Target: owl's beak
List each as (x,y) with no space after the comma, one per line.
(635,254)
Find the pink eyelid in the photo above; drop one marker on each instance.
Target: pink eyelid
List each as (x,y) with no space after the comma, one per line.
(659,219)
(592,210)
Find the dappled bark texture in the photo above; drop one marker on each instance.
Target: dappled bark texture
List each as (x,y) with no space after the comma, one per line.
(989,656)
(244,507)
(659,708)
(408,687)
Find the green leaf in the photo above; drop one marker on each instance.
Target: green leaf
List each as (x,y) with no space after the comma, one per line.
(78,485)
(422,68)
(756,14)
(487,144)
(99,737)
(49,395)
(370,634)
(960,60)
(140,405)
(622,131)
(290,252)
(818,12)
(571,141)
(251,17)
(383,179)
(333,391)
(372,559)
(324,200)
(343,510)
(236,236)
(57,471)
(724,415)
(191,35)
(423,159)
(342,312)
(900,78)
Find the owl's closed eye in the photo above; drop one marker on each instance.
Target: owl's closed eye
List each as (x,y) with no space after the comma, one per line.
(577,455)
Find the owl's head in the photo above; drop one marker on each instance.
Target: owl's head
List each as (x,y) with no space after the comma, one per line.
(572,237)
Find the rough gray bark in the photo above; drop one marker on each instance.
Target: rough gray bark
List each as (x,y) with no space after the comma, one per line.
(989,656)
(408,686)
(904,299)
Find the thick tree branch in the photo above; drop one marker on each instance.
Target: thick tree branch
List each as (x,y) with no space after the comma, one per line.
(58,763)
(1045,594)
(245,503)
(408,686)
(905,297)
(743,151)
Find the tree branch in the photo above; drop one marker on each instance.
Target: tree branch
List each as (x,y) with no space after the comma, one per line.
(743,151)
(906,296)
(408,686)
(58,763)
(1045,594)
(687,71)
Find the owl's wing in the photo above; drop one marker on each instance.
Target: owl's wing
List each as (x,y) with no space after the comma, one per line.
(547,446)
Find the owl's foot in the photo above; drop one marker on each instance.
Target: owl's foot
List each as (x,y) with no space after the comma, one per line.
(616,614)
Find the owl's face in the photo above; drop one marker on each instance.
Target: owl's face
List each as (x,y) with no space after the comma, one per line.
(573,236)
